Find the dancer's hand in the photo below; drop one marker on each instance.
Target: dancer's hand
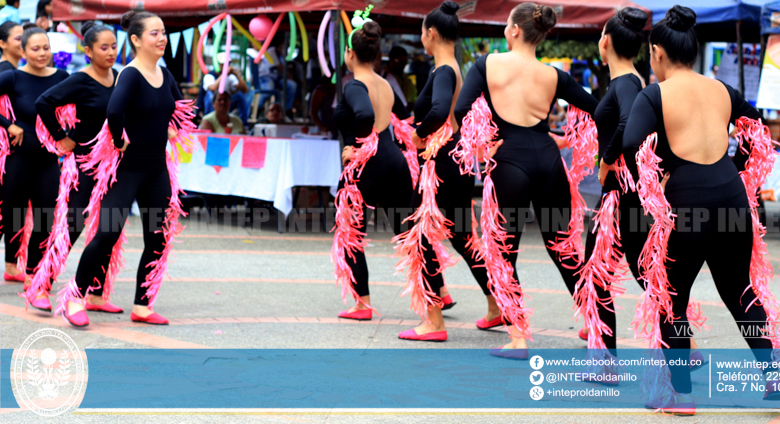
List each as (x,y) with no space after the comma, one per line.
(663,182)
(604,170)
(560,141)
(66,145)
(172,133)
(418,142)
(347,154)
(16,134)
(481,156)
(124,147)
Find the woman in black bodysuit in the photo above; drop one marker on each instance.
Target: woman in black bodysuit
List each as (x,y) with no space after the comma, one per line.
(520,92)
(691,114)
(89,90)
(366,107)
(142,105)
(32,173)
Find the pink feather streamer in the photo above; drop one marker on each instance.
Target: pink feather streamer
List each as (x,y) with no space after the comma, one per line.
(349,202)
(403,132)
(181,124)
(581,136)
(625,179)
(695,316)
(431,225)
(5,145)
(101,163)
(66,116)
(758,166)
(477,138)
(473,245)
(24,233)
(604,269)
(657,298)
(68,292)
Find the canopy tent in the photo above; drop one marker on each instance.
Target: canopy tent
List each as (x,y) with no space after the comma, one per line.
(716,19)
(770,18)
(572,14)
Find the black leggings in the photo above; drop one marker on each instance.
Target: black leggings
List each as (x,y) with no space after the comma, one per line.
(633,233)
(454,198)
(385,181)
(701,234)
(35,179)
(152,190)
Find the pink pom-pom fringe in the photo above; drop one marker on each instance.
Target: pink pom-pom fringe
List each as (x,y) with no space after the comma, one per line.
(403,132)
(5,146)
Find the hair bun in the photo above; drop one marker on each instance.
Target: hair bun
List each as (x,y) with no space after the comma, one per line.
(544,18)
(372,31)
(680,18)
(633,18)
(86,26)
(449,7)
(29,25)
(127,19)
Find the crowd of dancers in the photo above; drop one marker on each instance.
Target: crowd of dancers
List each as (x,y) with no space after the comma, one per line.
(88,144)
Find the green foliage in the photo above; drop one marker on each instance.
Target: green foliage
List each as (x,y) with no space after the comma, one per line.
(584,50)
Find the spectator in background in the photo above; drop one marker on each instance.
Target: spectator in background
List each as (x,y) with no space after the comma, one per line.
(321,107)
(714,71)
(396,65)
(43,15)
(235,86)
(220,121)
(653,79)
(10,12)
(275,114)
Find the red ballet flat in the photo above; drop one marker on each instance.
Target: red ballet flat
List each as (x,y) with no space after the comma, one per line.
(582,333)
(79,319)
(483,324)
(447,303)
(18,278)
(154,318)
(360,314)
(436,336)
(106,307)
(42,304)
(520,354)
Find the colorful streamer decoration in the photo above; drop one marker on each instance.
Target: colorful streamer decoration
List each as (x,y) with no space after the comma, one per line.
(228,47)
(293,37)
(267,42)
(304,36)
(321,47)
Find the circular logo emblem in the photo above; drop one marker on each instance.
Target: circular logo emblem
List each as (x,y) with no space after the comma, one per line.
(49,373)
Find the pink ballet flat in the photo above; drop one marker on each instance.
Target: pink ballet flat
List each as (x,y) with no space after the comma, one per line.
(582,333)
(520,354)
(18,278)
(79,319)
(447,303)
(436,336)
(360,314)
(483,324)
(42,304)
(106,307)
(154,318)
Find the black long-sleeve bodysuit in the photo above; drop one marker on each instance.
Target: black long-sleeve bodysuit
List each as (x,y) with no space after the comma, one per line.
(6,66)
(385,179)
(32,173)
(611,117)
(693,189)
(529,168)
(91,100)
(144,112)
(454,194)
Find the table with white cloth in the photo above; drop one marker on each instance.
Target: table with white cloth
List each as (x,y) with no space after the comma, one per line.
(288,163)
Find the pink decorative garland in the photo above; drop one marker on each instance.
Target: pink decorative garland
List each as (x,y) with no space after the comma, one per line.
(477,138)
(403,132)
(5,146)
(349,203)
(581,136)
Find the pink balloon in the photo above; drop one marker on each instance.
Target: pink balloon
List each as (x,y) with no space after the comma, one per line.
(260,26)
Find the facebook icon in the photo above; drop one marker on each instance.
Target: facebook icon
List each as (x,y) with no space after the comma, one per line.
(537,362)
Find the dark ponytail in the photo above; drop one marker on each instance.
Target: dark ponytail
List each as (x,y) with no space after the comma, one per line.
(445,20)
(676,35)
(626,29)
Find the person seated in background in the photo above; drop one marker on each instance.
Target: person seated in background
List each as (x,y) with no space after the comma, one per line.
(235,85)
(275,114)
(321,107)
(220,121)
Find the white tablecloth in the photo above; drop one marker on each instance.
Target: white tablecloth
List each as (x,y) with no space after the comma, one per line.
(288,163)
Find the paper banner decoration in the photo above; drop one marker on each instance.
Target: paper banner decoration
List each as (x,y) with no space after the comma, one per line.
(218,149)
(202,27)
(253,155)
(188,35)
(175,38)
(185,157)
(121,37)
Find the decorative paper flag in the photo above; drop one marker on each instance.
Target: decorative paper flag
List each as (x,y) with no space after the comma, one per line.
(175,38)
(202,27)
(188,35)
(254,152)
(185,157)
(121,36)
(218,152)
(128,49)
